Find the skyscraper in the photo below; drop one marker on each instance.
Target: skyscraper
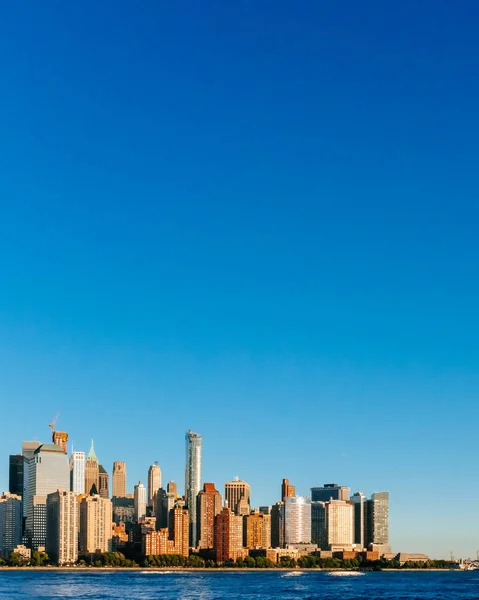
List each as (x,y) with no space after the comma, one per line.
(330,491)
(297,520)
(140,501)
(287,490)
(360,510)
(319,531)
(277,525)
(236,490)
(11,523)
(48,472)
(229,536)
(154,482)
(339,523)
(257,531)
(103,482)
(193,480)
(95,524)
(208,506)
(179,530)
(77,472)
(172,488)
(119,480)
(378,519)
(91,471)
(164,502)
(15,475)
(62,527)
(60,438)
(28,449)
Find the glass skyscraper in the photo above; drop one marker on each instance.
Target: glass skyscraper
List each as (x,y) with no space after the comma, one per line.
(193,480)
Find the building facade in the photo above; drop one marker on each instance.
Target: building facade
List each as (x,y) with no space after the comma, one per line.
(277,525)
(119,480)
(229,536)
(28,450)
(103,482)
(164,503)
(378,519)
(154,482)
(92,472)
(139,497)
(360,514)
(339,524)
(330,491)
(95,524)
(60,439)
(209,504)
(235,491)
(257,531)
(62,527)
(11,522)
(193,480)
(319,531)
(77,472)
(179,528)
(297,520)
(287,490)
(172,488)
(15,475)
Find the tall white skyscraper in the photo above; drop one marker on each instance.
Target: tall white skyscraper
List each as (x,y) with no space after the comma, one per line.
(48,471)
(193,480)
(62,527)
(154,482)
(297,520)
(340,524)
(77,472)
(140,501)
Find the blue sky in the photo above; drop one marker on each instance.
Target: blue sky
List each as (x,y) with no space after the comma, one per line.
(257,220)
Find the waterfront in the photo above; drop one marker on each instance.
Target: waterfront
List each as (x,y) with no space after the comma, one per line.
(216,585)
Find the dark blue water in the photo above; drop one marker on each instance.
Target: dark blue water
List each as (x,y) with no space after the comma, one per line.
(257,585)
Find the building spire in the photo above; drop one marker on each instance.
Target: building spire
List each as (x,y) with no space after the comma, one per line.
(91,454)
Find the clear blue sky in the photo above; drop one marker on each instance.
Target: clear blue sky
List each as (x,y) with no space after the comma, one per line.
(257,220)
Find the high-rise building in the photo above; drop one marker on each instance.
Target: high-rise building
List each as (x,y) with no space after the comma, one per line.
(234,491)
(15,475)
(77,472)
(154,482)
(193,480)
(179,525)
(60,439)
(155,543)
(119,480)
(62,527)
(229,536)
(11,522)
(92,473)
(339,524)
(48,471)
(123,510)
(103,482)
(287,490)
(95,524)
(172,488)
(330,491)
(28,449)
(140,501)
(319,531)
(297,520)
(277,525)
(360,513)
(164,503)
(257,531)
(378,519)
(209,505)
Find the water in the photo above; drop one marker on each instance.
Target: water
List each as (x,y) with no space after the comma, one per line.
(265,585)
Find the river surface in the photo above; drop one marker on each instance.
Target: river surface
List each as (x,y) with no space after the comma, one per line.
(266,585)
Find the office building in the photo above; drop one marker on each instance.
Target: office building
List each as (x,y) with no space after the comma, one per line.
(193,480)
(287,490)
(172,488)
(77,472)
(140,501)
(378,519)
(319,532)
(92,473)
(103,482)
(119,480)
(234,491)
(209,505)
(95,524)
(11,522)
(229,536)
(179,527)
(62,527)
(154,482)
(339,524)
(360,515)
(15,475)
(330,491)
(156,543)
(124,510)
(277,525)
(257,531)
(164,502)
(60,439)
(48,471)
(28,449)
(297,520)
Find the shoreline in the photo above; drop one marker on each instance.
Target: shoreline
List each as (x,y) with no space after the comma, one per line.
(172,570)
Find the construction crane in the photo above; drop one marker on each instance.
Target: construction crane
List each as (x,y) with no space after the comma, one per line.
(52,423)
